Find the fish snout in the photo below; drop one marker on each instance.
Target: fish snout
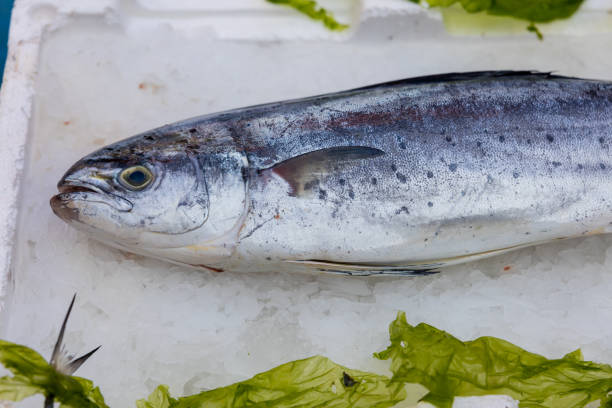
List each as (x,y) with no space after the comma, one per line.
(62,208)
(77,192)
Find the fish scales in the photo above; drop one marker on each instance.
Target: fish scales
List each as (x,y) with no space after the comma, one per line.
(389,179)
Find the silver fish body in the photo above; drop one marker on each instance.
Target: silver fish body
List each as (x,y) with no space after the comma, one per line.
(395,178)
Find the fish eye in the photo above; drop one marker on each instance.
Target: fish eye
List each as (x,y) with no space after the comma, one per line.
(135,177)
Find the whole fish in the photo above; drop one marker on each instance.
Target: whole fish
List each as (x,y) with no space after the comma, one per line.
(398,178)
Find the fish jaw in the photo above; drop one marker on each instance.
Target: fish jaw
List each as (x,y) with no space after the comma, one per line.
(74,195)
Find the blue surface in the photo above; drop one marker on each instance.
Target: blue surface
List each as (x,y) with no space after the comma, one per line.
(5,17)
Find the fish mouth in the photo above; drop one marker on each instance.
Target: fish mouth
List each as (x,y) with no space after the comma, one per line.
(65,204)
(74,188)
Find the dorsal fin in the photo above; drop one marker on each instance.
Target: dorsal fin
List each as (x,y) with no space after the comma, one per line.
(462,76)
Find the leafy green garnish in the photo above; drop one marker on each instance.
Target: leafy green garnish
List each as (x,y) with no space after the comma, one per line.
(422,354)
(312,10)
(449,368)
(532,28)
(535,11)
(33,375)
(313,382)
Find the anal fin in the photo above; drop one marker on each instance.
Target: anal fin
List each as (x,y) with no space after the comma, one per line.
(382,272)
(340,268)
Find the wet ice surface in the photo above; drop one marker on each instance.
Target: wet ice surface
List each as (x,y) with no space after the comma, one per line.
(192,330)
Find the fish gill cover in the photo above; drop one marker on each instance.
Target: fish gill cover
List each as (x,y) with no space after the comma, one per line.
(532,11)
(422,354)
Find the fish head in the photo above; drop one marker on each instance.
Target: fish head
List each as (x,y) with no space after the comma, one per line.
(157,193)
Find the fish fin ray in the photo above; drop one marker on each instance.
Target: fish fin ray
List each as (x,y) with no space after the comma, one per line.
(303,171)
(389,272)
(341,268)
(77,362)
(60,338)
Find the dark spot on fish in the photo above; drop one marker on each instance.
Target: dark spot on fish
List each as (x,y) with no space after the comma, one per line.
(556,163)
(601,140)
(529,141)
(448,139)
(404,209)
(550,138)
(322,194)
(393,167)
(430,204)
(149,138)
(402,146)
(429,174)
(192,130)
(479,143)
(268,258)
(452,167)
(502,139)
(347,380)
(426,239)
(602,166)
(489,178)
(580,166)
(374,181)
(463,193)
(309,185)
(342,182)
(515,175)
(401,177)
(351,194)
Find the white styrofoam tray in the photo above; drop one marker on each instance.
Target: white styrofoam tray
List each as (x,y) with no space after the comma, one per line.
(82,74)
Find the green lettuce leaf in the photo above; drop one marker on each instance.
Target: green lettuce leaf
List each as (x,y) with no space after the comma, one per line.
(533,11)
(450,368)
(312,10)
(160,398)
(33,375)
(313,382)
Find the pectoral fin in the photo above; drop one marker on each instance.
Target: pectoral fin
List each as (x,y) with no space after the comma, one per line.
(303,171)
